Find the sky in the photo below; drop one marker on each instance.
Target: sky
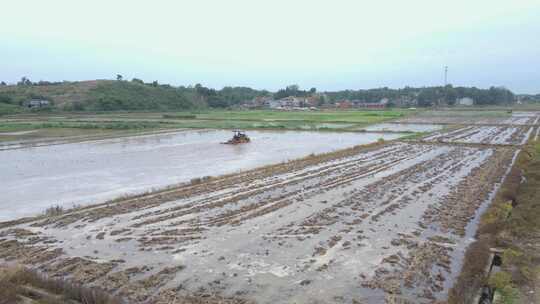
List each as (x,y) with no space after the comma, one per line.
(330,45)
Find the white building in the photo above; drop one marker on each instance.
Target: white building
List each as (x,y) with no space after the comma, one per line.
(465,101)
(36,103)
(273,104)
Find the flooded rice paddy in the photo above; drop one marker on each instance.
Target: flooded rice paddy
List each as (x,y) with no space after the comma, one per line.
(473,118)
(398,127)
(387,223)
(35,178)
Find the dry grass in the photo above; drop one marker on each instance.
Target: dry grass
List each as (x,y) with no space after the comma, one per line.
(8,290)
(17,284)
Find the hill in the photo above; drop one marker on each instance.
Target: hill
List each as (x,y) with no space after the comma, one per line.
(101,95)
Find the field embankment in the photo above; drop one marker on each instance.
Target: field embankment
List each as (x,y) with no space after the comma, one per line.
(510,225)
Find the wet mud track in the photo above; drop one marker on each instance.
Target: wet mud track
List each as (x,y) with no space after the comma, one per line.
(386,223)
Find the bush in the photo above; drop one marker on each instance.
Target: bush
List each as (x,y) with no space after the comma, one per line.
(54,210)
(196,181)
(502,282)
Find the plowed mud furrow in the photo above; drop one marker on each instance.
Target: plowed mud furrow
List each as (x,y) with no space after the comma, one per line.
(269,185)
(377,201)
(211,203)
(487,135)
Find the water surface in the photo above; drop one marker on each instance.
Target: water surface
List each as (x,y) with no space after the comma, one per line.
(35,178)
(397,127)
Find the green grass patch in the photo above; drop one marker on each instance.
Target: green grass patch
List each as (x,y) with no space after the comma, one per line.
(320,116)
(180,116)
(9,109)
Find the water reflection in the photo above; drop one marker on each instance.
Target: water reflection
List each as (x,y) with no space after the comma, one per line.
(34,178)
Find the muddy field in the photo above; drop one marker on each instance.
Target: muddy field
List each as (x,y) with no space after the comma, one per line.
(473,118)
(494,135)
(382,223)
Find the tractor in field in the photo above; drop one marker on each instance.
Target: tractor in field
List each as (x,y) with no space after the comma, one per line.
(239,137)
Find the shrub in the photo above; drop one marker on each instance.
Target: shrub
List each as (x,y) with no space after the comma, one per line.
(54,210)
(196,181)
(502,282)
(511,256)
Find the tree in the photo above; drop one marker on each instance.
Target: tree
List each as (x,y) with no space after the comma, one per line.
(137,80)
(450,95)
(321,101)
(155,83)
(313,90)
(426,98)
(3,83)
(291,90)
(119,77)
(24,81)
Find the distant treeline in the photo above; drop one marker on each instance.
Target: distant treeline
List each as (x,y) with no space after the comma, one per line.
(428,96)
(293,90)
(135,94)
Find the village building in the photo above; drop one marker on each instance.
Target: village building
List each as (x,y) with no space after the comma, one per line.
(465,101)
(272,104)
(36,103)
(290,102)
(344,104)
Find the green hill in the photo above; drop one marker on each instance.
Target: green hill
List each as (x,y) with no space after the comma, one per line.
(101,95)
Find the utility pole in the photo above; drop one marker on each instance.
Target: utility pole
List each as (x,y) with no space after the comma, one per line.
(445,75)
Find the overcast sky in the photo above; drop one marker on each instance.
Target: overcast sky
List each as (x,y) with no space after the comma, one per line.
(269,44)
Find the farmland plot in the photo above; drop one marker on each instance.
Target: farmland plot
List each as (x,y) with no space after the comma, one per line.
(383,223)
(504,135)
(473,118)
(379,224)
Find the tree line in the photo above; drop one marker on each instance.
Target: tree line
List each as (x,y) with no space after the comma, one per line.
(135,94)
(428,96)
